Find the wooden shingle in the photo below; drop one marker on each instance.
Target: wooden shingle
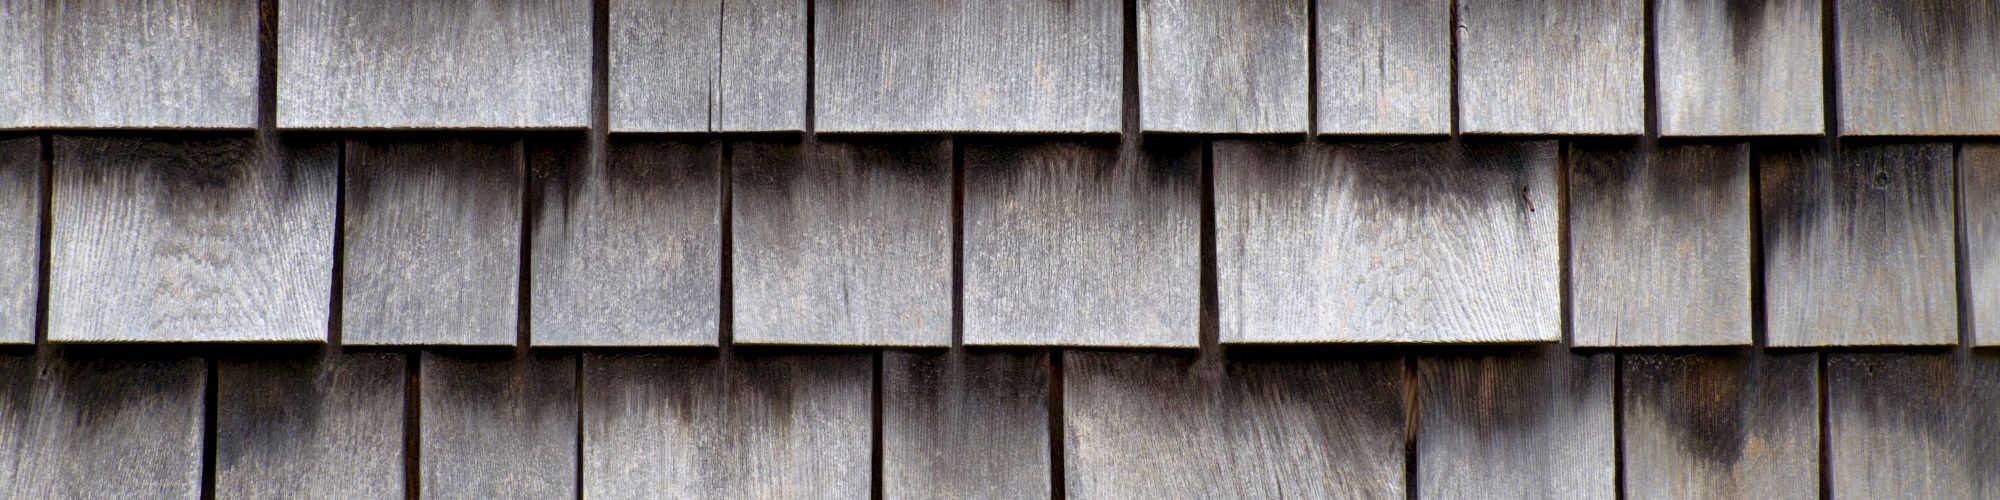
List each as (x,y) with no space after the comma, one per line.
(1738,424)
(1551,67)
(1223,67)
(87,426)
(707,65)
(1734,68)
(1532,422)
(22,105)
(1383,66)
(1979,226)
(1912,425)
(122,64)
(1918,67)
(319,426)
(497,426)
(960,424)
(21,184)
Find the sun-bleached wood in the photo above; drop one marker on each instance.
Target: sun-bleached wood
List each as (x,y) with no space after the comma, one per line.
(1082,242)
(1383,66)
(1659,244)
(199,238)
(316,425)
(707,65)
(1551,67)
(959,424)
(1858,246)
(429,64)
(1979,219)
(500,426)
(1401,242)
(21,185)
(1529,422)
(1732,424)
(1918,67)
(1912,425)
(1739,67)
(122,64)
(1223,67)
(88,426)
(22,104)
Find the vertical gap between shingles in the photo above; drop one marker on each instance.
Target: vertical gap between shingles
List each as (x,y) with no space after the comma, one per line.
(1829,70)
(1565,308)
(523,295)
(875,429)
(45,254)
(339,288)
(413,424)
(208,429)
(1825,428)
(715,111)
(1962,288)
(1210,324)
(1618,424)
(1650,73)
(812,63)
(1759,332)
(726,309)
(1312,68)
(957,242)
(1058,484)
(580,397)
(1412,418)
(1454,69)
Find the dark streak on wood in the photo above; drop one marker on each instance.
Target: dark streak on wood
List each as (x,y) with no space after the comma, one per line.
(1736,424)
(1979,203)
(1529,422)
(707,65)
(959,424)
(77,426)
(21,186)
(1918,67)
(1913,425)
(317,426)
(1739,67)
(498,427)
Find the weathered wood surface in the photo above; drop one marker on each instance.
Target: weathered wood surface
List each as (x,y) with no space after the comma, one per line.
(1913,425)
(1551,67)
(1419,242)
(627,252)
(1659,245)
(21,185)
(1979,205)
(196,238)
(431,241)
(1223,67)
(462,64)
(1017,66)
(1918,67)
(1858,247)
(498,427)
(1532,422)
(959,424)
(748,426)
(842,242)
(79,426)
(1384,66)
(122,64)
(313,426)
(1080,243)
(1735,67)
(1166,425)
(1736,424)
(707,65)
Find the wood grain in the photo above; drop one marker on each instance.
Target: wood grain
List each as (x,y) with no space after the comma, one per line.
(748,426)
(959,424)
(1918,67)
(1858,247)
(1530,422)
(498,427)
(426,65)
(707,65)
(21,184)
(431,241)
(1659,247)
(196,238)
(627,252)
(122,64)
(1164,425)
(1082,243)
(1551,67)
(319,426)
(1019,66)
(844,242)
(1383,66)
(1236,67)
(1400,242)
(1735,424)
(21,65)
(87,426)
(1979,219)
(1913,425)
(1737,67)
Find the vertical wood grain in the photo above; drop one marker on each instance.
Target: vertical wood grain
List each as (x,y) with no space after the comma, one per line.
(1659,245)
(707,65)
(431,237)
(319,426)
(1918,67)
(1080,243)
(21,185)
(1979,203)
(1401,242)
(844,242)
(90,426)
(197,238)
(1383,66)
(1739,67)
(764,67)
(965,424)
(1531,422)
(1858,247)
(1551,67)
(1734,424)
(1223,67)
(24,104)
(1913,425)
(498,426)
(122,64)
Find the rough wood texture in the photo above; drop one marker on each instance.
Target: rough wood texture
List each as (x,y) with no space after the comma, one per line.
(458,64)
(627,252)
(1551,67)
(123,64)
(196,238)
(21,185)
(501,427)
(1659,244)
(1223,67)
(1979,205)
(1425,242)
(1739,67)
(1160,425)
(960,424)
(842,242)
(707,65)
(316,426)
(1080,243)
(1918,67)
(1915,425)
(99,427)
(1016,66)
(1533,422)
(753,426)
(432,242)
(1858,249)
(1737,424)
(1384,66)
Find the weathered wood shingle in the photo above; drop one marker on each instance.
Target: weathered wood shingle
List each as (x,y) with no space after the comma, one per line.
(1223,67)
(317,425)
(1912,425)
(959,424)
(122,64)
(1383,66)
(1738,424)
(1533,422)
(1918,67)
(1739,67)
(88,426)
(707,65)
(1979,230)
(498,426)
(1551,67)
(21,184)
